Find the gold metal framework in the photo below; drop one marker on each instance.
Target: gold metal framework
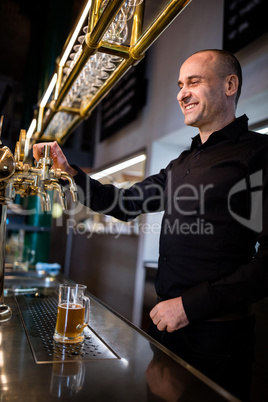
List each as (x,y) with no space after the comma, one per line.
(98,23)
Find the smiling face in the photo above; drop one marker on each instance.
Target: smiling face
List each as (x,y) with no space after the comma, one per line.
(205,97)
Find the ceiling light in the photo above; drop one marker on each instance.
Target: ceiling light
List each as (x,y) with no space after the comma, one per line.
(262,130)
(31,129)
(49,90)
(75,34)
(29,135)
(118,167)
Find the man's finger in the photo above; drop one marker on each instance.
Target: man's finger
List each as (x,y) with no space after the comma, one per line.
(161,326)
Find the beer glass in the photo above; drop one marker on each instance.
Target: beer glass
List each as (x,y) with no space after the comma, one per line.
(67,379)
(73,314)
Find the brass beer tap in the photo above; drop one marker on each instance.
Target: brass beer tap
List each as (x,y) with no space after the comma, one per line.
(18,177)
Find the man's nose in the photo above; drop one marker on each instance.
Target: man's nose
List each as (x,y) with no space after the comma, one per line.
(183,93)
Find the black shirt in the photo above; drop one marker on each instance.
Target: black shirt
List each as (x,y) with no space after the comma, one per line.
(214,198)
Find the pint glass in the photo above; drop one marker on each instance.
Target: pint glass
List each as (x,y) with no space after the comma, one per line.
(73,314)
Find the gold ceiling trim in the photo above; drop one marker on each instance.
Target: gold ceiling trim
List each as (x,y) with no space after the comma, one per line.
(96,43)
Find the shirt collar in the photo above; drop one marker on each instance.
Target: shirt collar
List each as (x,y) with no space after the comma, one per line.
(232,131)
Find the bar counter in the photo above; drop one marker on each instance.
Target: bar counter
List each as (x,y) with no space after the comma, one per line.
(116,362)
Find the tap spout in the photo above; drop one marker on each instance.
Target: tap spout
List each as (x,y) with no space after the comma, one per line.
(73,188)
(45,200)
(61,192)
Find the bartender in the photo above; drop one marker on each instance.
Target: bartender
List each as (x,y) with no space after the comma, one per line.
(214,198)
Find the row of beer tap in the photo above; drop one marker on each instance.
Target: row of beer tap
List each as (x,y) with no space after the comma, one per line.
(19,177)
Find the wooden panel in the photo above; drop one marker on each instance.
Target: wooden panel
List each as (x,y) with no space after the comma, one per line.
(107,265)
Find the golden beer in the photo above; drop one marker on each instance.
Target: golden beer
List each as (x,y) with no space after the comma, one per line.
(70,320)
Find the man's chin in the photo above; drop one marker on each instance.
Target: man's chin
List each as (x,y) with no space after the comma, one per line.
(190,122)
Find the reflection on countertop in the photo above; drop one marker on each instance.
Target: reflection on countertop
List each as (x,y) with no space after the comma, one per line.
(139,370)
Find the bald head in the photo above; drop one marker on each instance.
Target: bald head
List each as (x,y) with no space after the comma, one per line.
(225,64)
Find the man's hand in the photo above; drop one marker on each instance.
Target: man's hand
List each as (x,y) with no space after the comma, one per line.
(59,159)
(169,315)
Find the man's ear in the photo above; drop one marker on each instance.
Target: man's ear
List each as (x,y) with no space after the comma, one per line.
(231,84)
